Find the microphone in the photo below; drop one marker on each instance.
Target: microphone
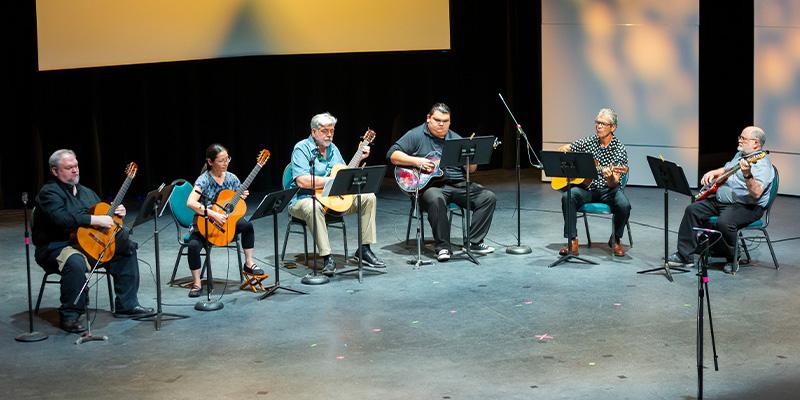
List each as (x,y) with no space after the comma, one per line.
(316,153)
(25,198)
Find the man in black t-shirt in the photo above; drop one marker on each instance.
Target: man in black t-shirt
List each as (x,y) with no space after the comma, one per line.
(612,165)
(411,151)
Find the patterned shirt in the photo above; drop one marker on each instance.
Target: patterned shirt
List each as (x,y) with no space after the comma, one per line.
(612,155)
(301,164)
(211,188)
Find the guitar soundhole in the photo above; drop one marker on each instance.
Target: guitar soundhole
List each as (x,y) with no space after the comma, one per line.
(229,208)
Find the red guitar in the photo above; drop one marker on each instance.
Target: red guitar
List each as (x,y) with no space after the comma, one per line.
(711,187)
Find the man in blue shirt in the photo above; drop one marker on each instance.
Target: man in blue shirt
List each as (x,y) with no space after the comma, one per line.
(411,149)
(320,148)
(742,199)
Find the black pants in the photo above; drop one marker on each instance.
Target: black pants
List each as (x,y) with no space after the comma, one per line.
(731,218)
(434,201)
(124,270)
(197,242)
(615,198)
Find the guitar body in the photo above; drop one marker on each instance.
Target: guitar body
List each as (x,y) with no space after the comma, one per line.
(93,241)
(409,179)
(561,183)
(335,204)
(708,190)
(711,187)
(221,235)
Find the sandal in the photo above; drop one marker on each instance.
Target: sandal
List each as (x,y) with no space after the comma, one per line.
(196,291)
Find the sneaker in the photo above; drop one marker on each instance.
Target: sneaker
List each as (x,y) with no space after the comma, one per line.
(677,261)
(443,255)
(253,270)
(480,248)
(329,266)
(730,268)
(370,259)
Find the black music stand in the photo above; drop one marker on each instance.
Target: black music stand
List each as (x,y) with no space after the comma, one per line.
(357,181)
(272,204)
(669,176)
(570,165)
(152,208)
(466,151)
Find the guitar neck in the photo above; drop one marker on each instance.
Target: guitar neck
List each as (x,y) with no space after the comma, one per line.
(120,195)
(244,185)
(356,160)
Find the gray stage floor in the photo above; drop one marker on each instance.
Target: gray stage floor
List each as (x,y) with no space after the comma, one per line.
(509,328)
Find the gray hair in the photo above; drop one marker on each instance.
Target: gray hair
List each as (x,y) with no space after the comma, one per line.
(759,134)
(322,119)
(609,112)
(55,158)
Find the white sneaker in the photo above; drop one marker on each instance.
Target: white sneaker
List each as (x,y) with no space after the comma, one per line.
(443,255)
(480,248)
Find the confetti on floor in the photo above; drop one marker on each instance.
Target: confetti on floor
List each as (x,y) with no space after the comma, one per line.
(592,364)
(340,357)
(528,302)
(453,311)
(376,330)
(543,338)
(313,345)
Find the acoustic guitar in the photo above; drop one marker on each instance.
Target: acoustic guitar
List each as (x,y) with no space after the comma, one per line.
(711,187)
(227,203)
(560,183)
(99,244)
(336,205)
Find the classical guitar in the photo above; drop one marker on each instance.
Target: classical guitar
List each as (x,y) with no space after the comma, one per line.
(409,179)
(227,203)
(99,244)
(711,187)
(560,183)
(339,204)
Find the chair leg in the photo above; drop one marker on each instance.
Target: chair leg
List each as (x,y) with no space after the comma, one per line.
(239,251)
(285,240)
(344,238)
(771,250)
(744,247)
(630,238)
(177,262)
(110,292)
(410,218)
(464,227)
(586,225)
(305,244)
(41,291)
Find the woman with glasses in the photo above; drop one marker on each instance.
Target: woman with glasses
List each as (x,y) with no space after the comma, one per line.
(213,179)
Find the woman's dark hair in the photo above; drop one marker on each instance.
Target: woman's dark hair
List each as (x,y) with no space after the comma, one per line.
(211,154)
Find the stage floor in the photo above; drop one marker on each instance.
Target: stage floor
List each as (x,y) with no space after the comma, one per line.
(509,328)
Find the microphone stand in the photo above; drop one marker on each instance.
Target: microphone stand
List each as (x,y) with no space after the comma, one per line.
(208,304)
(418,262)
(87,336)
(313,278)
(519,248)
(31,335)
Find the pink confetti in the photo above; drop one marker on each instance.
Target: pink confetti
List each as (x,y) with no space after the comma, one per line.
(617,305)
(543,338)
(453,311)
(528,302)
(340,357)
(376,330)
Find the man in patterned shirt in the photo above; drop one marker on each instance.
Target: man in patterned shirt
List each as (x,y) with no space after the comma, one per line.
(612,164)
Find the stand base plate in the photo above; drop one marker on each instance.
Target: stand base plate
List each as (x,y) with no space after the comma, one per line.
(521,249)
(208,305)
(31,337)
(314,279)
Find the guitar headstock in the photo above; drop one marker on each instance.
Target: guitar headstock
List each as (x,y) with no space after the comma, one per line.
(754,158)
(130,170)
(263,156)
(368,137)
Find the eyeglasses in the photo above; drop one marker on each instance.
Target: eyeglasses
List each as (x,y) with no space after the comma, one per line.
(602,124)
(326,131)
(225,161)
(746,138)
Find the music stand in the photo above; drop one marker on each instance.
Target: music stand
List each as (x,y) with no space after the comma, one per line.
(569,165)
(466,151)
(152,208)
(357,181)
(272,204)
(669,176)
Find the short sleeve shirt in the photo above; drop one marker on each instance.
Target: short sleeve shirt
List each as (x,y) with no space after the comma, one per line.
(211,188)
(612,155)
(301,164)
(735,188)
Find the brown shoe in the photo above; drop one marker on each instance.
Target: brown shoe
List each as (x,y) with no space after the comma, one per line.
(574,245)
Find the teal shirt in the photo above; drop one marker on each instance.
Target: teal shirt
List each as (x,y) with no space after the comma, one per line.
(301,164)
(734,190)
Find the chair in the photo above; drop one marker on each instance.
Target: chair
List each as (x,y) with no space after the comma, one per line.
(452,209)
(184,219)
(603,208)
(332,221)
(45,281)
(759,225)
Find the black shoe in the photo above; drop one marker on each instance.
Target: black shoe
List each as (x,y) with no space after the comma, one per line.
(72,326)
(137,311)
(329,266)
(253,270)
(196,291)
(676,261)
(370,259)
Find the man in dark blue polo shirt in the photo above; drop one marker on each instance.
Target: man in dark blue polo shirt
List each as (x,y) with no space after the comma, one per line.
(410,151)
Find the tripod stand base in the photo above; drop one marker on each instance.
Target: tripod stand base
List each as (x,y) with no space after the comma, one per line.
(314,279)
(521,249)
(158,317)
(208,305)
(31,337)
(667,271)
(419,262)
(271,290)
(568,257)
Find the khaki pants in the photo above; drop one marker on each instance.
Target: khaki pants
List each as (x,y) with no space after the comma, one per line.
(303,210)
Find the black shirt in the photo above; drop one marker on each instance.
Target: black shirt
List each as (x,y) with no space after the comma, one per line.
(419,142)
(59,213)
